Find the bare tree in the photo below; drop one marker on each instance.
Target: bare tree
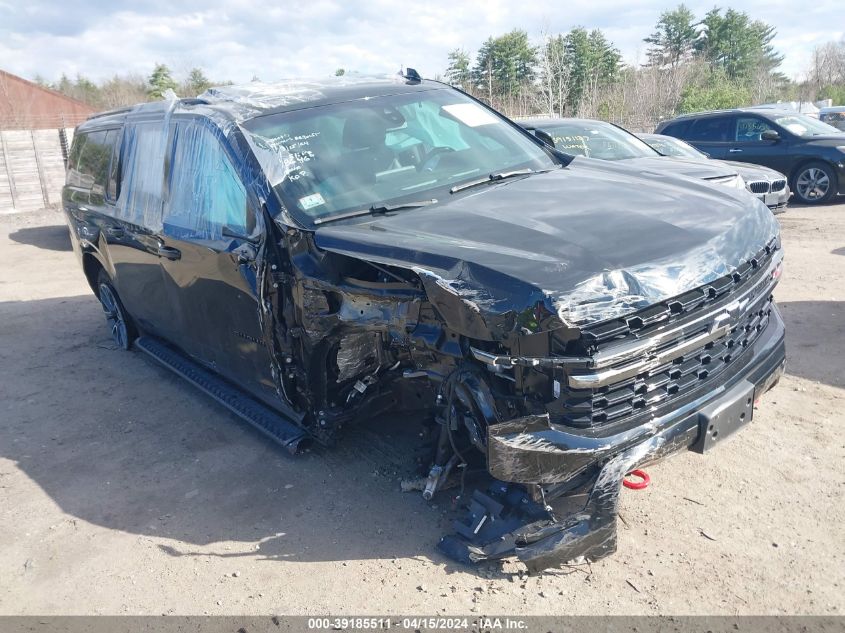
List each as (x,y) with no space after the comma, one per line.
(555,73)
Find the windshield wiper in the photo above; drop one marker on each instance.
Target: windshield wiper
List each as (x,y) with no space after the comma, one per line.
(502,175)
(376,209)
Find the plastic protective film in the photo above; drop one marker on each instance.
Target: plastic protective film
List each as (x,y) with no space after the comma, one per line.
(615,293)
(142,191)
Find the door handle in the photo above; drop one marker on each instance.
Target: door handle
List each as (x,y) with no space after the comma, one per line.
(115,231)
(734,150)
(169,252)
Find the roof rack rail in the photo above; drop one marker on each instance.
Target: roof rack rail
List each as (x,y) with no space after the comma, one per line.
(194,101)
(97,115)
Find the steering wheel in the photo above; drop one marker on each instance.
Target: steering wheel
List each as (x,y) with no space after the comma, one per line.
(431,155)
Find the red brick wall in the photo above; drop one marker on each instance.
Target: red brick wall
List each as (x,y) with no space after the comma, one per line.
(25,105)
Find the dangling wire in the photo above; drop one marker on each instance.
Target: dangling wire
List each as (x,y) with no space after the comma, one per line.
(450,400)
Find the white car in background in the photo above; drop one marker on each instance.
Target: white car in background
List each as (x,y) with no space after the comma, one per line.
(768,185)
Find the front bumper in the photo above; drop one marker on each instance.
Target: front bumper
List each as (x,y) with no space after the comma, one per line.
(558,464)
(777,201)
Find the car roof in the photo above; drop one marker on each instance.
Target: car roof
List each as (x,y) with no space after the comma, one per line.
(749,110)
(541,122)
(832,109)
(237,103)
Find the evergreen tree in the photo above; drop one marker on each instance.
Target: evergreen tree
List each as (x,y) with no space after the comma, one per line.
(197,82)
(736,44)
(674,38)
(593,62)
(160,81)
(504,64)
(458,72)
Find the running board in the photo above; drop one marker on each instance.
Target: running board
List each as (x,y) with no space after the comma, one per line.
(262,417)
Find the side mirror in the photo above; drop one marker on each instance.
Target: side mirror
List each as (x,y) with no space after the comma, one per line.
(770,135)
(546,138)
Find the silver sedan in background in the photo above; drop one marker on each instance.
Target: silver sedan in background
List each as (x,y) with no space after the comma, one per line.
(768,185)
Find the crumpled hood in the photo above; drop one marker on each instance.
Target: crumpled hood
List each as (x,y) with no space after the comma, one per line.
(591,241)
(690,167)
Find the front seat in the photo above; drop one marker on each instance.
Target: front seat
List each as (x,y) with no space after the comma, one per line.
(364,151)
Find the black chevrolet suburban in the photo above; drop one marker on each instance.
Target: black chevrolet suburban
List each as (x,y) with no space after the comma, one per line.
(310,254)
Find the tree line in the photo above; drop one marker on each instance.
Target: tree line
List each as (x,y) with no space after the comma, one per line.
(722,59)
(122,90)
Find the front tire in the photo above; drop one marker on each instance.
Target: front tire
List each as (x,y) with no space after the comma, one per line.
(814,183)
(122,330)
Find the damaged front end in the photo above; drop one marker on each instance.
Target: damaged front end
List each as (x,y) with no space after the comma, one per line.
(558,323)
(555,413)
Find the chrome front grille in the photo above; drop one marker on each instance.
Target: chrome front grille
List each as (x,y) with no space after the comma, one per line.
(778,185)
(659,385)
(758,186)
(639,365)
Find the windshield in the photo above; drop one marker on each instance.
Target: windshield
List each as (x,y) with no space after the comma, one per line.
(324,161)
(836,119)
(596,139)
(805,126)
(674,147)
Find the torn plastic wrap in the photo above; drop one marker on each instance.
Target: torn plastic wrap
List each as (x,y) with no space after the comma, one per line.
(616,293)
(487,267)
(205,192)
(245,101)
(142,190)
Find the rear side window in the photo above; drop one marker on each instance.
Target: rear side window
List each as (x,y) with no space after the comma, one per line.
(73,158)
(205,192)
(114,140)
(141,188)
(678,129)
(710,129)
(89,161)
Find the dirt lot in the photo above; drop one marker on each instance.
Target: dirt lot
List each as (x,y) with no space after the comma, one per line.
(125,490)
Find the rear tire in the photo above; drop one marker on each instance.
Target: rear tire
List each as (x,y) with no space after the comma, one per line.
(814,183)
(122,330)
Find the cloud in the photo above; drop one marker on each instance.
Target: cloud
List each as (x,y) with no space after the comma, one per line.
(239,39)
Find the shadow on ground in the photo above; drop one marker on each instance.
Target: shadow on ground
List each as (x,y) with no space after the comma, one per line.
(116,441)
(795,204)
(54,238)
(815,340)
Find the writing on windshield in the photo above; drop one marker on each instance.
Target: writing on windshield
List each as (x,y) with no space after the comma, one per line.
(338,158)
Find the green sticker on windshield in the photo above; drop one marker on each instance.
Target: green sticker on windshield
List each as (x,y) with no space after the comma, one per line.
(309,202)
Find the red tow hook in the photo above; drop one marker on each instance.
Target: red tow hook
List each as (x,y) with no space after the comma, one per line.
(645,480)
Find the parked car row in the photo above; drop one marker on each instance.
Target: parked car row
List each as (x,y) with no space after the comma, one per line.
(834,116)
(809,152)
(767,184)
(598,139)
(312,254)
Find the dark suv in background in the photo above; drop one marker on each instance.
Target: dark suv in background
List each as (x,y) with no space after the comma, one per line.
(809,152)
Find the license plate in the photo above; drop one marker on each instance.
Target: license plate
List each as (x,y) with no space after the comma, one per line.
(770,199)
(725,417)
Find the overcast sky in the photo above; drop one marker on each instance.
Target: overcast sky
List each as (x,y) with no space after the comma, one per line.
(239,39)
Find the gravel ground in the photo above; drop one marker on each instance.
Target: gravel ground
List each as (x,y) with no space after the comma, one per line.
(126,491)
